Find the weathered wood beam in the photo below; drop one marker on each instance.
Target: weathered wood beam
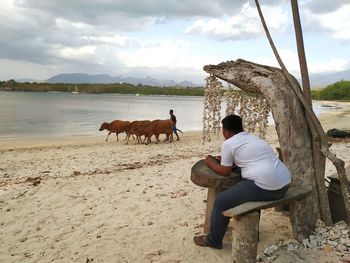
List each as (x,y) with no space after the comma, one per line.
(301,51)
(319,158)
(293,194)
(245,238)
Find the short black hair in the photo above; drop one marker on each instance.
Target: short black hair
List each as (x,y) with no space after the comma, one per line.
(171,110)
(232,123)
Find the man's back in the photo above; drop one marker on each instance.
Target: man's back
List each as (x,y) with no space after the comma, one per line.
(173,118)
(256,159)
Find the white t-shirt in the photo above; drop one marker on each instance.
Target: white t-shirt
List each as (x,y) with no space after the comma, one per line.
(256,159)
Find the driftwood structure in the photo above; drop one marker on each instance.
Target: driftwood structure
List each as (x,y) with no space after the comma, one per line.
(320,146)
(303,142)
(292,129)
(297,146)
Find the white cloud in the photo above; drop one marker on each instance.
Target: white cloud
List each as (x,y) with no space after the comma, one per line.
(291,61)
(336,22)
(322,6)
(101,11)
(109,36)
(246,24)
(116,40)
(333,65)
(77,52)
(18,69)
(167,53)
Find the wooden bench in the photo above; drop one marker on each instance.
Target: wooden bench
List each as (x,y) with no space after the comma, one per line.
(246,218)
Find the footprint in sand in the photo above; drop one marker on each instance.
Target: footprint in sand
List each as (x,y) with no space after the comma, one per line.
(178,194)
(152,254)
(184,224)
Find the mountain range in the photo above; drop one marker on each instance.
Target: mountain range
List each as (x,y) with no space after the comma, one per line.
(316,80)
(105,79)
(321,80)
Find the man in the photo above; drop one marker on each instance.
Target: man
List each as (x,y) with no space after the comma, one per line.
(265,177)
(173,118)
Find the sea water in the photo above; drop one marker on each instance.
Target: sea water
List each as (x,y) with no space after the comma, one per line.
(55,114)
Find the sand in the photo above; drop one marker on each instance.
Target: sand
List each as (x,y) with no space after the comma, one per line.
(339,118)
(92,201)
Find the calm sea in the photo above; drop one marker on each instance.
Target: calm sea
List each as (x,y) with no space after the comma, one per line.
(51,114)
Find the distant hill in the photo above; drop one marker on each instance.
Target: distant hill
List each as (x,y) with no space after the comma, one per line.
(29,80)
(79,78)
(322,80)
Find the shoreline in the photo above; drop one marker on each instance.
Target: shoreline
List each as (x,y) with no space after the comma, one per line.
(339,118)
(151,94)
(104,93)
(70,140)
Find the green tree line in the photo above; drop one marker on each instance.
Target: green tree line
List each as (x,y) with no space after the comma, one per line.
(124,88)
(337,91)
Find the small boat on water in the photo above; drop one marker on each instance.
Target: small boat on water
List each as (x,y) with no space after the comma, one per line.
(76,91)
(329,106)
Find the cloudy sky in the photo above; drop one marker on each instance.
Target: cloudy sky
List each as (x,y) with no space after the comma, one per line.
(165,39)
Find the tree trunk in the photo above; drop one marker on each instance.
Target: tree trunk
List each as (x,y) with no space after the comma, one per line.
(291,126)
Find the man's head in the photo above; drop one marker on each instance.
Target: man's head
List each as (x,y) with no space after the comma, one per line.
(231,125)
(171,112)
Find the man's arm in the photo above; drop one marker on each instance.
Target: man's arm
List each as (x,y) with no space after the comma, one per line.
(216,167)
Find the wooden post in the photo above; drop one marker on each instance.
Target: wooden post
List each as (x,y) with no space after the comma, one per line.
(317,134)
(210,203)
(245,238)
(203,176)
(319,158)
(301,51)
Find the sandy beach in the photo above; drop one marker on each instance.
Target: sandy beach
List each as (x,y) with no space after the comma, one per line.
(80,199)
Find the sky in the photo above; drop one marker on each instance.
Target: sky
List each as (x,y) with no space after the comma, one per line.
(164,39)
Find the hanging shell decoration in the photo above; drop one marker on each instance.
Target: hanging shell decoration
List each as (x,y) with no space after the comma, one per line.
(232,100)
(254,111)
(252,108)
(212,108)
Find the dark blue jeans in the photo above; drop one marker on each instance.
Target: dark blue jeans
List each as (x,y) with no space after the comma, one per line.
(242,192)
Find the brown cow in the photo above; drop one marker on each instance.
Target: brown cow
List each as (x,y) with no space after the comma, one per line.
(142,130)
(158,127)
(116,127)
(138,128)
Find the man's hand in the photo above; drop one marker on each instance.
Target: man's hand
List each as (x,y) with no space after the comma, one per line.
(208,160)
(216,167)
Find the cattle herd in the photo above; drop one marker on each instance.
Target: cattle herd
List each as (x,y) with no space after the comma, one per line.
(140,128)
